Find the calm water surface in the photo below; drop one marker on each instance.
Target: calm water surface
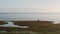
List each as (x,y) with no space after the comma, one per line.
(20,16)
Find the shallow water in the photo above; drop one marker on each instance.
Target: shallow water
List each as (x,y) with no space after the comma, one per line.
(30,16)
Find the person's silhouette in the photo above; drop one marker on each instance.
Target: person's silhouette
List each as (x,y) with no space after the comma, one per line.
(38,20)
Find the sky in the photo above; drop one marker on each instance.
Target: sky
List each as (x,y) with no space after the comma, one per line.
(37,5)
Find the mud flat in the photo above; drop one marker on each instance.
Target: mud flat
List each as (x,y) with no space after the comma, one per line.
(35,27)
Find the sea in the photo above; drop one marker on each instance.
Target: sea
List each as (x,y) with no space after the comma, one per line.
(30,16)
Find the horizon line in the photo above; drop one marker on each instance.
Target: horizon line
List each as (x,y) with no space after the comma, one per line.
(30,13)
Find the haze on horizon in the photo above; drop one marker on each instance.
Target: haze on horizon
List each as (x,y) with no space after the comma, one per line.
(30,6)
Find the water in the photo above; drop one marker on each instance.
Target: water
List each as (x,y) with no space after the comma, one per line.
(30,16)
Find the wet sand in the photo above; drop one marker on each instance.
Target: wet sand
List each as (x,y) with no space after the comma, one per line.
(35,26)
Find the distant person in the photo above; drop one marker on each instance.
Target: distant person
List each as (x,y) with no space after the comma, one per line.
(38,20)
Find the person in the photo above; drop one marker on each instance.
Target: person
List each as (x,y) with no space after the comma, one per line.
(38,20)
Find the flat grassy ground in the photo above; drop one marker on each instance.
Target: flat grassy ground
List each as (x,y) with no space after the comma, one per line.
(35,27)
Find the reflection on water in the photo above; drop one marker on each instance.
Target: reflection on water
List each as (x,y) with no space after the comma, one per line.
(11,24)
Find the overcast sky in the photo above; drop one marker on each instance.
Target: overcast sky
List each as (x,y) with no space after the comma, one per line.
(39,5)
